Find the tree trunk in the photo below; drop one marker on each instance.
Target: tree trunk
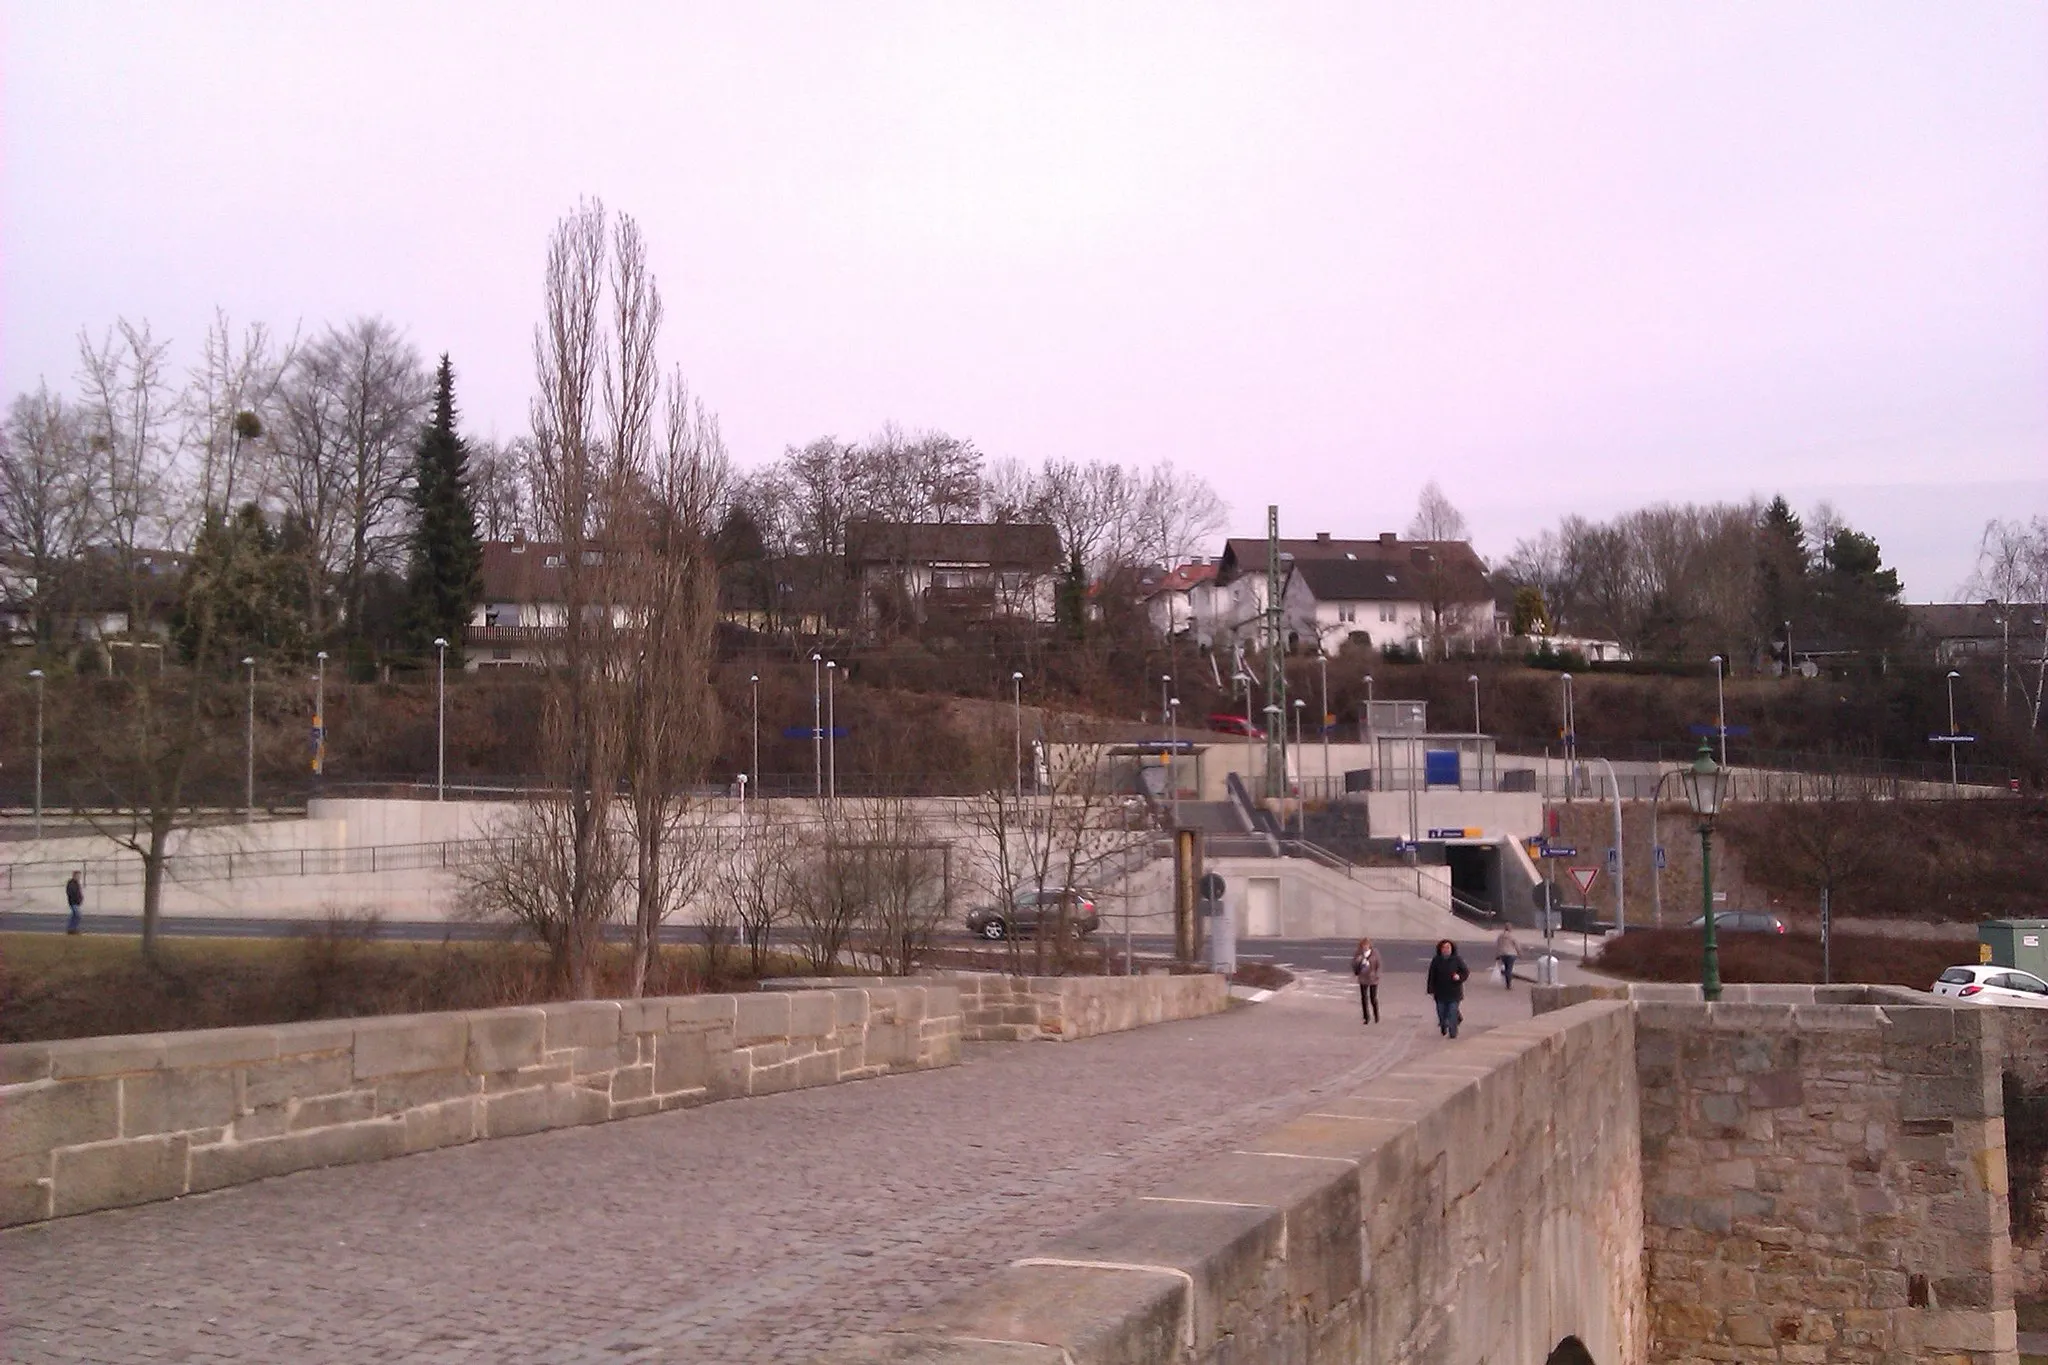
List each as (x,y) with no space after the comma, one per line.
(153,882)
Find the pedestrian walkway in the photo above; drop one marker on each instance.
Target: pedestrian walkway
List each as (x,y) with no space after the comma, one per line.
(753,1230)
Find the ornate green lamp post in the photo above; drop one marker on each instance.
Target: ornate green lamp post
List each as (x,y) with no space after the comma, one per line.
(1706,786)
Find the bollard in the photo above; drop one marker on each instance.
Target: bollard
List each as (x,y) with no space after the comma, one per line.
(1546,970)
(1219,937)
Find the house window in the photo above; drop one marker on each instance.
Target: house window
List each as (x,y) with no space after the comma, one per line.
(1013,580)
(1386,611)
(949,578)
(553,562)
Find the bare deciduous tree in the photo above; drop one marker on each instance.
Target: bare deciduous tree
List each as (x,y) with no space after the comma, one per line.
(1436,517)
(48,502)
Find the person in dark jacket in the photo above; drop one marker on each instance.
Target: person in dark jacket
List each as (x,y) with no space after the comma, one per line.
(74,896)
(1447,976)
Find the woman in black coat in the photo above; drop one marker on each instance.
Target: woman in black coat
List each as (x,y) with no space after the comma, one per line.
(1447,976)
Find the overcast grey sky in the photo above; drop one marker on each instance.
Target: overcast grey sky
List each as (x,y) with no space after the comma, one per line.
(1560,257)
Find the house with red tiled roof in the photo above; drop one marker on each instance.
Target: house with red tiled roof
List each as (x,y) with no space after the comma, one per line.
(1177,602)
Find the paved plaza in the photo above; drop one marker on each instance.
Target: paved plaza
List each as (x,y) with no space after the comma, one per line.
(756,1229)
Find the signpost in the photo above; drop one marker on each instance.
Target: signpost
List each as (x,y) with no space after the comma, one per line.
(1560,851)
(1585,876)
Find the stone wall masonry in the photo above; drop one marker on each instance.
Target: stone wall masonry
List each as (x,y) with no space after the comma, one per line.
(1824,1176)
(96,1123)
(998,1008)
(2026,1063)
(1480,1206)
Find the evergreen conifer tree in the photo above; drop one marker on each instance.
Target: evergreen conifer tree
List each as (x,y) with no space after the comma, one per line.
(445,578)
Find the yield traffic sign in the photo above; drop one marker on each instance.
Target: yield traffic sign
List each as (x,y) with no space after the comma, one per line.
(1584,877)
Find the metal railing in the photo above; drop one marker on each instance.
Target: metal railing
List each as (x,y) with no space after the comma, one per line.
(187,868)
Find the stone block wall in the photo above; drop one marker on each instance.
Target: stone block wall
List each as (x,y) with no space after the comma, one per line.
(997,1008)
(1480,1206)
(97,1123)
(1824,1176)
(2026,1064)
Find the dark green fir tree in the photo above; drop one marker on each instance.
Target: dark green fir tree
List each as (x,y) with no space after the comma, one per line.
(445,577)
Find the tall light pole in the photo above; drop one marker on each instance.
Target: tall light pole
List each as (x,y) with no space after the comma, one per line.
(1474,680)
(817,726)
(1245,680)
(37,674)
(831,734)
(1323,667)
(1705,785)
(754,701)
(1301,801)
(249,748)
(441,719)
(1571,735)
(1165,693)
(320,714)
(1721,706)
(2004,658)
(1017,706)
(1172,761)
(1953,782)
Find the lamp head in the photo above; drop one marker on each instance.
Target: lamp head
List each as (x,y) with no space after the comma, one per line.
(1473,679)
(440,643)
(1016,677)
(753,677)
(248,662)
(36,673)
(1953,675)
(1706,784)
(321,656)
(1716,661)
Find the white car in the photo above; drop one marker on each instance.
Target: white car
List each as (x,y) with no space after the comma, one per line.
(1994,986)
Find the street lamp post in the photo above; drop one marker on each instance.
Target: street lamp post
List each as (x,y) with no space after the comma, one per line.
(1474,680)
(37,674)
(249,748)
(1705,785)
(1301,783)
(441,719)
(1172,762)
(831,734)
(1721,707)
(1571,735)
(320,714)
(754,700)
(1953,782)
(1323,667)
(817,727)
(1017,706)
(1165,693)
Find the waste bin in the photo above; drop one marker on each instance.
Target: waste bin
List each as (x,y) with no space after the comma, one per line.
(2020,943)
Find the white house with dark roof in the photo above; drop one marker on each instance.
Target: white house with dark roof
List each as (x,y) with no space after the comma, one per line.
(1387,590)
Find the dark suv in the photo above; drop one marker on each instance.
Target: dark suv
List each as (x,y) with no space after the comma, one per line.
(1028,907)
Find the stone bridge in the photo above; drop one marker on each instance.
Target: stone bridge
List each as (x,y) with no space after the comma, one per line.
(1791,1175)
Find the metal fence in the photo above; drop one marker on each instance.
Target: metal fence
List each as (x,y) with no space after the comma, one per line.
(186,868)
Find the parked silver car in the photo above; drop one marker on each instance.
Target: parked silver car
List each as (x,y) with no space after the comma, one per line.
(1031,905)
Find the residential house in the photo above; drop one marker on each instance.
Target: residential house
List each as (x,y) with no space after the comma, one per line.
(523,605)
(1180,602)
(953,573)
(1379,592)
(1957,633)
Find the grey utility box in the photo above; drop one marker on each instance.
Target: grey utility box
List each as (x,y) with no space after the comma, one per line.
(2020,943)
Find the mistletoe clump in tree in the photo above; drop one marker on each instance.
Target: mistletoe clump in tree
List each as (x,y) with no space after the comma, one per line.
(446,576)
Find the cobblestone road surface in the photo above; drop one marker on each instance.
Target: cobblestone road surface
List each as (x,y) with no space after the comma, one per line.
(760,1229)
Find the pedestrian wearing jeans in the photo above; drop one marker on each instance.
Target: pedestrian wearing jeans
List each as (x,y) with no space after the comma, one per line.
(1447,976)
(74,896)
(1365,965)
(1507,950)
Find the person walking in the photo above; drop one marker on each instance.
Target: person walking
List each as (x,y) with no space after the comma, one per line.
(1365,965)
(74,896)
(1507,950)
(1447,977)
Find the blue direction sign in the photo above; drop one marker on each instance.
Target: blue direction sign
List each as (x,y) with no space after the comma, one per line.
(1709,731)
(1951,739)
(809,732)
(1660,857)
(1560,851)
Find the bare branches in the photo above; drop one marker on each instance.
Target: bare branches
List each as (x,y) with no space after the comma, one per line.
(1436,517)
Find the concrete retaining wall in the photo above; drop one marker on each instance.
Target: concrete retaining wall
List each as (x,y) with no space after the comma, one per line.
(1481,1206)
(96,1123)
(1824,1175)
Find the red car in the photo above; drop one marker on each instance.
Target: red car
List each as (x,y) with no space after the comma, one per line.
(1235,725)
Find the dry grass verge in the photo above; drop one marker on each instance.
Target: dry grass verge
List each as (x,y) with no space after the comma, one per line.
(54,986)
(1674,955)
